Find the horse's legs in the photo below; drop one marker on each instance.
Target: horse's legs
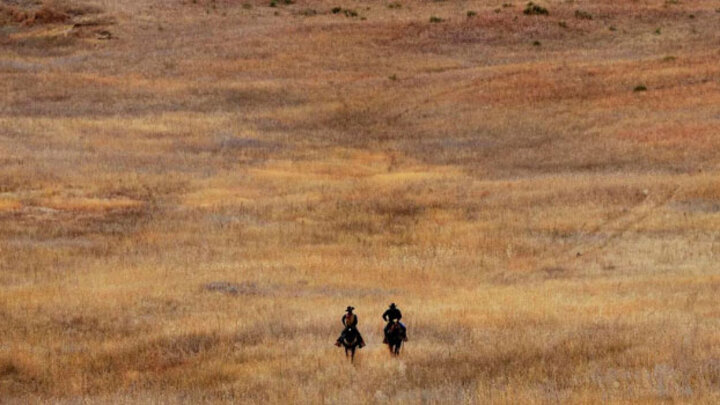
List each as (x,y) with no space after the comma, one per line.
(352,355)
(395,349)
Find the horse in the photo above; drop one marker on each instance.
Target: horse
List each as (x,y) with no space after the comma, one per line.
(350,340)
(395,337)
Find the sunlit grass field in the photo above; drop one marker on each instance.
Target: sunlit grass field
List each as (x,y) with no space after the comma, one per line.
(192,191)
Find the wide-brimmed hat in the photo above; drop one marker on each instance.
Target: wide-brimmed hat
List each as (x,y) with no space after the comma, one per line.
(349,309)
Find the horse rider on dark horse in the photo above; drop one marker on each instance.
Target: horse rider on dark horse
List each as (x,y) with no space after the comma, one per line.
(350,320)
(391,315)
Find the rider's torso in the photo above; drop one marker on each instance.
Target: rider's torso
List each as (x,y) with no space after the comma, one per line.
(350,320)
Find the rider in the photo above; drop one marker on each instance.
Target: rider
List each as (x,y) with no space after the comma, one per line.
(350,320)
(391,315)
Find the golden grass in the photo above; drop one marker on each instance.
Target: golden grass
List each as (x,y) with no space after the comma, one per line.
(550,234)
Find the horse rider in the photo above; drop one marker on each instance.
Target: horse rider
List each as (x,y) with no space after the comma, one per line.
(391,315)
(350,320)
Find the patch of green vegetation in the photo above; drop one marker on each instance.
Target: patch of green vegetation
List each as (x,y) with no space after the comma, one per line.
(395,4)
(336,10)
(669,58)
(434,19)
(534,9)
(393,77)
(536,43)
(640,87)
(471,14)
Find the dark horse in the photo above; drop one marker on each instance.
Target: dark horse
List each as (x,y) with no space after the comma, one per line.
(395,337)
(350,340)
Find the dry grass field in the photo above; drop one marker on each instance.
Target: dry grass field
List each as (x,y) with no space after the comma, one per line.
(539,193)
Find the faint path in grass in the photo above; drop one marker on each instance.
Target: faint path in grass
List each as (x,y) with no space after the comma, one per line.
(615,228)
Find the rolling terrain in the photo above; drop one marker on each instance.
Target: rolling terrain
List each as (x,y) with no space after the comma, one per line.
(192,191)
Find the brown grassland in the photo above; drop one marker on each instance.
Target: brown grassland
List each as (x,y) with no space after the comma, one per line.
(540,194)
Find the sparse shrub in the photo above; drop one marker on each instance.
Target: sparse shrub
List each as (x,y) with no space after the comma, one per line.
(274,3)
(392,77)
(434,19)
(640,87)
(658,31)
(563,24)
(471,14)
(395,4)
(612,28)
(583,15)
(308,12)
(669,58)
(347,12)
(534,9)
(247,6)
(536,43)
(506,5)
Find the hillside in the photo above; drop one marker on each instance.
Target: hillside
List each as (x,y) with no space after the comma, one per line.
(192,191)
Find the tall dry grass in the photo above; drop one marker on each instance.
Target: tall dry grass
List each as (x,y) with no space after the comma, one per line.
(549,233)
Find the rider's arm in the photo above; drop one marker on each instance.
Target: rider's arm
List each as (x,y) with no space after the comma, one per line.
(385,315)
(399,314)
